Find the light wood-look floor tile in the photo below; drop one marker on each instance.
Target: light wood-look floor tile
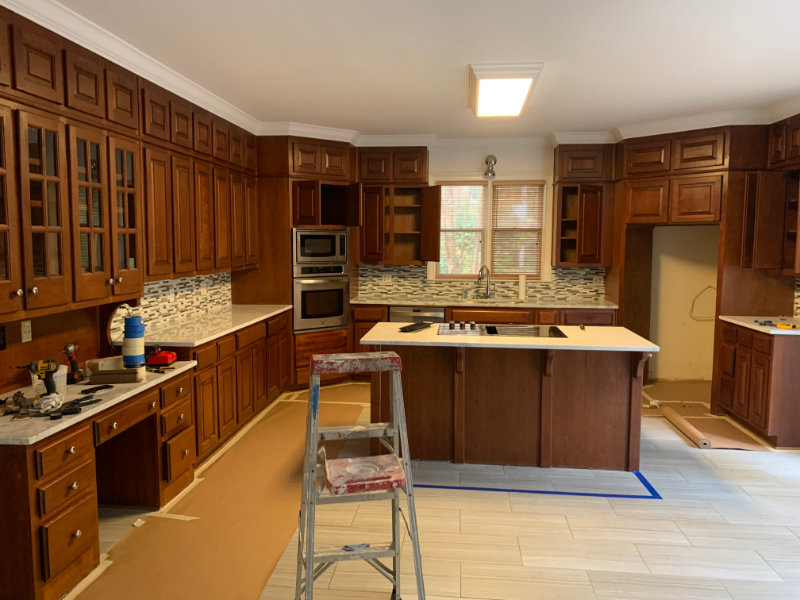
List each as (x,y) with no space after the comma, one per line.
(581,554)
(719,563)
(618,529)
(619,586)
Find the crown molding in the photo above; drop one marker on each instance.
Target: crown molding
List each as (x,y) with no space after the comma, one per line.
(306,130)
(582,137)
(395,140)
(77,28)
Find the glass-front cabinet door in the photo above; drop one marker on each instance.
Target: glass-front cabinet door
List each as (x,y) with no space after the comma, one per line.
(88,172)
(11,291)
(44,211)
(126,216)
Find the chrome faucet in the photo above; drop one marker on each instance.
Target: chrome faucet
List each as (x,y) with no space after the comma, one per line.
(484,273)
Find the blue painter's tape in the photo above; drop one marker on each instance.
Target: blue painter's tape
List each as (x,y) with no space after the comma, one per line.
(653,494)
(134,361)
(315,400)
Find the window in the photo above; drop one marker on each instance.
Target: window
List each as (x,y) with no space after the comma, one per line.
(498,224)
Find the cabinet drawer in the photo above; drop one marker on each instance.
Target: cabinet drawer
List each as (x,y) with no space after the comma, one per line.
(205,356)
(251,335)
(67,451)
(490,315)
(179,454)
(762,343)
(729,333)
(51,497)
(68,536)
(745,338)
(115,421)
(370,313)
(547,317)
(278,324)
(318,342)
(587,317)
(226,347)
(176,418)
(176,390)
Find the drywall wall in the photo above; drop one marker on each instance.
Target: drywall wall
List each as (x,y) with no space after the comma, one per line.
(684,265)
(517,158)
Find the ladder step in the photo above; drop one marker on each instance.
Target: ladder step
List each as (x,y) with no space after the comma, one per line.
(336,554)
(359,496)
(350,432)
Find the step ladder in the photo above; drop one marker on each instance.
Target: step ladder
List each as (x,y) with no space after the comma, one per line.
(359,479)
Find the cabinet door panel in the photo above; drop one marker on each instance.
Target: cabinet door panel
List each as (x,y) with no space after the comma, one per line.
(305,157)
(431,222)
(410,165)
(306,203)
(646,200)
(11,291)
(90,227)
(226,395)
(37,63)
(651,156)
(203,132)
(220,139)
(375,165)
(238,220)
(250,152)
(204,215)
(759,391)
(205,397)
(85,82)
(156,111)
(273,373)
(260,375)
(777,142)
(122,96)
(236,146)
(695,199)
(181,120)
(252,223)
(5,52)
(285,357)
(371,234)
(127,221)
(590,224)
(158,200)
(741,392)
(222,219)
(763,216)
(45,211)
(793,137)
(582,163)
(244,375)
(183,215)
(335,161)
(698,151)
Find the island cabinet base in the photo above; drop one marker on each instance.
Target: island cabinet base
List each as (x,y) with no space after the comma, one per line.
(530,407)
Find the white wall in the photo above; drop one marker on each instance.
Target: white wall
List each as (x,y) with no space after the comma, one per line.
(684,263)
(530,158)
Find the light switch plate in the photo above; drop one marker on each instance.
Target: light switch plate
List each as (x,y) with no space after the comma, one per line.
(26,333)
(597,279)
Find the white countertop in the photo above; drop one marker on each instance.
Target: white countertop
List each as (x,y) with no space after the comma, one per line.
(29,431)
(772,329)
(419,300)
(197,330)
(590,338)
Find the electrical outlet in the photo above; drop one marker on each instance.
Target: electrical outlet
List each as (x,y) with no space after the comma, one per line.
(386,278)
(2,337)
(597,279)
(204,288)
(26,333)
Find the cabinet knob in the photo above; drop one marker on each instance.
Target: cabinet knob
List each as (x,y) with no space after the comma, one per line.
(180,391)
(114,425)
(110,281)
(180,418)
(153,404)
(34,290)
(72,450)
(74,485)
(19,292)
(186,452)
(119,279)
(77,533)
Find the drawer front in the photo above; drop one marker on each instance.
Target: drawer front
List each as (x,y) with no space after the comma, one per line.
(762,343)
(251,335)
(113,422)
(279,323)
(51,497)
(587,317)
(179,454)
(333,341)
(68,536)
(226,347)
(370,313)
(729,333)
(176,418)
(176,390)
(67,451)
(205,356)
(490,315)
(547,317)
(745,338)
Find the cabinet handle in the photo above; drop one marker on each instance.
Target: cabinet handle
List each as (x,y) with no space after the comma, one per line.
(186,453)
(72,450)
(19,292)
(180,391)
(180,418)
(77,533)
(153,404)
(110,281)
(119,279)
(34,290)
(114,425)
(74,485)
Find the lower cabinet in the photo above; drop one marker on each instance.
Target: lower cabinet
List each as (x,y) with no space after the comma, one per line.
(538,316)
(332,341)
(362,319)
(279,355)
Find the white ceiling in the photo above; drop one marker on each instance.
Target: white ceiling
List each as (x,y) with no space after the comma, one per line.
(399,67)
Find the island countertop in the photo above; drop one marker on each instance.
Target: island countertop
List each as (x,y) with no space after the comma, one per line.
(618,339)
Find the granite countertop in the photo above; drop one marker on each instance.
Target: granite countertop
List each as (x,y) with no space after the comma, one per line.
(589,338)
(196,330)
(770,329)
(30,431)
(420,300)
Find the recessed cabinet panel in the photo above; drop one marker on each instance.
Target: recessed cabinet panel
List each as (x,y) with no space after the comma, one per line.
(652,156)
(220,139)
(222,218)
(793,137)
(251,221)
(85,82)
(375,165)
(646,200)
(158,200)
(122,97)
(37,63)
(305,157)
(410,165)
(183,215)
(126,216)
(306,203)
(203,132)
(11,290)
(182,126)
(156,111)
(698,151)
(777,142)
(5,52)
(695,199)
(236,146)
(335,161)
(204,215)
(590,224)
(582,163)
(371,237)
(250,152)
(238,220)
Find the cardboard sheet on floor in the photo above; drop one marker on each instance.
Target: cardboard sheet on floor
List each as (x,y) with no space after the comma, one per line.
(247,508)
(679,391)
(713,432)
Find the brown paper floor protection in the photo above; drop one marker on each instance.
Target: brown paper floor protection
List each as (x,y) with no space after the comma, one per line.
(247,507)
(725,435)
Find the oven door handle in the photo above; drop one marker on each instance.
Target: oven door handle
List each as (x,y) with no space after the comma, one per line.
(322,280)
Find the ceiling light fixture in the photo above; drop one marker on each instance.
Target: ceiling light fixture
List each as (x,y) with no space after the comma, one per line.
(501,89)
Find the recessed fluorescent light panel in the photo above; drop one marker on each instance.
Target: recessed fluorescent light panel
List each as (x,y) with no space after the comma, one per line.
(501,89)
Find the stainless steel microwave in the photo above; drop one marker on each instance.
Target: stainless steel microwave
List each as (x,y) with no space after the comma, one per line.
(320,246)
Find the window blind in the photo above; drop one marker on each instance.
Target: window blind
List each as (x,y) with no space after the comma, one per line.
(463,222)
(517,223)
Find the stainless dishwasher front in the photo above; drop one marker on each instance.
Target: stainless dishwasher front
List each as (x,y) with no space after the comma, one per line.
(415,314)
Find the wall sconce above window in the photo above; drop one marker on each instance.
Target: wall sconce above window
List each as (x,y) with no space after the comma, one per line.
(501,89)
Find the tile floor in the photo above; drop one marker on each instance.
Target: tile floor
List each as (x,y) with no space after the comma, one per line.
(728,528)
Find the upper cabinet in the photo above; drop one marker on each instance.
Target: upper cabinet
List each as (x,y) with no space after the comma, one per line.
(683,199)
(220,139)
(5,52)
(85,81)
(317,203)
(158,202)
(705,150)
(393,165)
(646,156)
(38,62)
(11,290)
(122,97)
(784,142)
(203,132)
(583,162)
(182,128)
(155,111)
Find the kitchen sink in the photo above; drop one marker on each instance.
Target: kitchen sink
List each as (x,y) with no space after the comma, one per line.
(511,330)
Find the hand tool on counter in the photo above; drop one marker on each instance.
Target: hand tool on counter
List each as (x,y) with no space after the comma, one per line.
(786,326)
(97,388)
(75,374)
(86,401)
(44,370)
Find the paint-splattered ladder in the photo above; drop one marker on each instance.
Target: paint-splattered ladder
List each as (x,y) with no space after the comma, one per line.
(366,478)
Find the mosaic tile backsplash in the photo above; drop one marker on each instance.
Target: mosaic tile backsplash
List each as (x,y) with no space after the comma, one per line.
(171,299)
(573,284)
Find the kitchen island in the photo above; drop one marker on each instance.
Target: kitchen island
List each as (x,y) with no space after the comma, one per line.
(572,401)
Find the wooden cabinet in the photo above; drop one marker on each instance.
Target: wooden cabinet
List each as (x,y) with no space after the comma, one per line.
(279,354)
(646,200)
(155,111)
(371,230)
(251,224)
(38,62)
(11,288)
(590,316)
(491,315)
(203,132)
(85,81)
(793,137)
(206,406)
(236,149)
(90,227)
(328,159)
(204,216)
(582,224)
(181,126)
(332,341)
(699,150)
(790,259)
(122,97)
(226,397)
(583,162)
(394,165)
(777,142)
(546,316)
(375,165)
(238,220)
(647,156)
(362,319)
(757,381)
(245,371)
(318,203)
(5,52)
(183,214)
(44,211)
(220,139)
(695,199)
(222,219)
(158,201)
(763,215)
(126,216)
(250,152)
